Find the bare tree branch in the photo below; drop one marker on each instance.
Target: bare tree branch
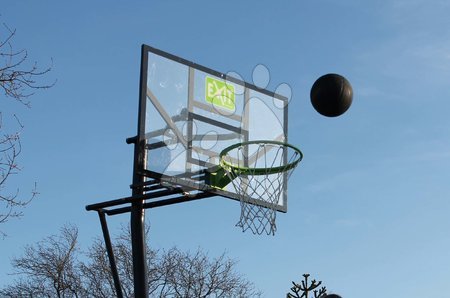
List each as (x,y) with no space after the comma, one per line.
(19,79)
(11,205)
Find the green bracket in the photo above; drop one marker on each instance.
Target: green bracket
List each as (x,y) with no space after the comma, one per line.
(218,177)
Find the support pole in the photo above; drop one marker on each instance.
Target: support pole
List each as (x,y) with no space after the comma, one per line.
(137,220)
(109,250)
(139,250)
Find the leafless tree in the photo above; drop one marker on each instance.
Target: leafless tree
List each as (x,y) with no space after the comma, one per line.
(172,273)
(48,268)
(304,288)
(96,271)
(195,275)
(18,81)
(56,267)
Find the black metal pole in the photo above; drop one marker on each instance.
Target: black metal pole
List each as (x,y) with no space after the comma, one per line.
(109,250)
(139,250)
(137,220)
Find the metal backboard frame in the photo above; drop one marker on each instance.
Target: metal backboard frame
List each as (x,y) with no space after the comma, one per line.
(189,113)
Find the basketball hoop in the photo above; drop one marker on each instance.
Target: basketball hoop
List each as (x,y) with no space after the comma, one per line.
(259,171)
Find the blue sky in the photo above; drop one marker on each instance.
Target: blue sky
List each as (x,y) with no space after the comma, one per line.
(368,207)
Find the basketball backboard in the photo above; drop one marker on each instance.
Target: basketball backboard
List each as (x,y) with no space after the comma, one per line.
(190,113)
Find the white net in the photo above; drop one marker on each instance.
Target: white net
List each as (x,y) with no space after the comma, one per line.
(259,172)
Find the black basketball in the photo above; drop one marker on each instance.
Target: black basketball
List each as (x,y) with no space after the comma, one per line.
(331,95)
(331,296)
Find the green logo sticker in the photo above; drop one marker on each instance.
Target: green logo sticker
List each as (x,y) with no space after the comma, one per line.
(220,94)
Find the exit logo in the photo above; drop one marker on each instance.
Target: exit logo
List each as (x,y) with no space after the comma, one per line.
(220,94)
